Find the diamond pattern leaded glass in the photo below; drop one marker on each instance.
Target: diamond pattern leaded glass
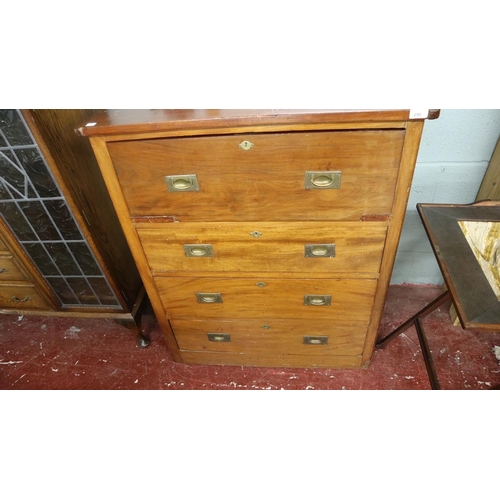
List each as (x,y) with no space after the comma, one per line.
(32,205)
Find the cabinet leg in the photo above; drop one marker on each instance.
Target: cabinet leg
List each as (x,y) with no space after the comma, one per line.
(142,340)
(134,323)
(135,326)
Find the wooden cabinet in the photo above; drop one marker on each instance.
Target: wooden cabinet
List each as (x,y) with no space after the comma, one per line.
(264,238)
(62,250)
(17,290)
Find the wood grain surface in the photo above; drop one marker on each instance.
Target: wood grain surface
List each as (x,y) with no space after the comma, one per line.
(266,182)
(279,248)
(139,121)
(272,335)
(351,299)
(253,206)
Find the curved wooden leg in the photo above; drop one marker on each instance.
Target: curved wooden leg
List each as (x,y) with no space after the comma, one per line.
(135,326)
(134,322)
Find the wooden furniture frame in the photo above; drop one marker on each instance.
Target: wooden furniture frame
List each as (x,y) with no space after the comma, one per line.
(141,151)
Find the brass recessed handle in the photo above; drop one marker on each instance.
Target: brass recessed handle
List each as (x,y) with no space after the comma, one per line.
(209,298)
(320,250)
(198,250)
(219,337)
(322,180)
(182,183)
(188,182)
(318,340)
(317,300)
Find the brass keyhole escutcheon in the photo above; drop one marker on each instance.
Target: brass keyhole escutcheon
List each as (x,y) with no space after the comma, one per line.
(261,284)
(245,145)
(256,234)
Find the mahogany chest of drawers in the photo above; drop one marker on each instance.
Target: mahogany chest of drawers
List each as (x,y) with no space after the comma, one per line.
(263,238)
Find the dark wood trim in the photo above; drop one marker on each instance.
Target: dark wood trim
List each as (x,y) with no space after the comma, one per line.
(434,114)
(137,121)
(474,299)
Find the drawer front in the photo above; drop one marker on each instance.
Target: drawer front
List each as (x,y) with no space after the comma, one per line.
(271,359)
(315,247)
(267,181)
(258,297)
(3,248)
(284,336)
(9,271)
(21,297)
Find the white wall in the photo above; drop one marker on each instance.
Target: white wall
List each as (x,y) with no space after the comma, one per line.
(454,154)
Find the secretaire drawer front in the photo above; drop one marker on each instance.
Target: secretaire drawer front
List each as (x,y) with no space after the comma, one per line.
(258,297)
(315,247)
(3,248)
(9,271)
(286,336)
(21,297)
(338,175)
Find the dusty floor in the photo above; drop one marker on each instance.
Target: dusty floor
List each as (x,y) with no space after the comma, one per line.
(39,352)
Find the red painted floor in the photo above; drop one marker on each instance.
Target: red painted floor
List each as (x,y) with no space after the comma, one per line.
(39,352)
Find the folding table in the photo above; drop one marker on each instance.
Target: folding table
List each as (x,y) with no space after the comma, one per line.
(464,239)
